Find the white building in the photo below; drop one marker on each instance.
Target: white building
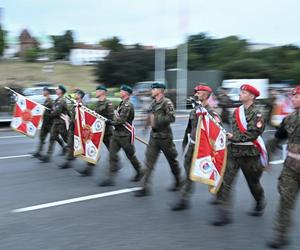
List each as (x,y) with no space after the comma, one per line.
(86,54)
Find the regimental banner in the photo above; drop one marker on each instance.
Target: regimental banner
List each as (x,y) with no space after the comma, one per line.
(89,133)
(27,116)
(209,159)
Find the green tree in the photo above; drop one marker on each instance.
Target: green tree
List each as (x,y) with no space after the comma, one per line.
(2,41)
(63,45)
(112,44)
(128,66)
(31,54)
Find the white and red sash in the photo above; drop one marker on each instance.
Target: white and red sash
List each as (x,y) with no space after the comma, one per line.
(258,143)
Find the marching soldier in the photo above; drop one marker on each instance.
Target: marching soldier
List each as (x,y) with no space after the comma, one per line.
(202,93)
(47,124)
(59,127)
(161,115)
(289,180)
(79,94)
(122,137)
(243,153)
(104,107)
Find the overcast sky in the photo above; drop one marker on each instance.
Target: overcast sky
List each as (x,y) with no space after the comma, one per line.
(156,22)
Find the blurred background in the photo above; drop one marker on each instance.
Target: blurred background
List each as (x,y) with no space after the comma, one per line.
(135,42)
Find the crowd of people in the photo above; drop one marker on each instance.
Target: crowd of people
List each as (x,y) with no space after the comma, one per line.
(246,149)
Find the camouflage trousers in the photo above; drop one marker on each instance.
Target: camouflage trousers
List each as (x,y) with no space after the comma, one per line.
(156,145)
(124,142)
(288,187)
(188,187)
(56,130)
(45,130)
(252,170)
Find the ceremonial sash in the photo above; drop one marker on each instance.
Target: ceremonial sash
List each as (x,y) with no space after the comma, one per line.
(258,143)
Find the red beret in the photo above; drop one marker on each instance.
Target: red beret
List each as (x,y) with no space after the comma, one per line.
(250,89)
(296,90)
(203,88)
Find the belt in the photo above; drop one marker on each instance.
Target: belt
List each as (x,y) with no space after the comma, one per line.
(247,143)
(293,155)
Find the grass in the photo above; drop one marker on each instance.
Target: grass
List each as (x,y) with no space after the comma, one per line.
(25,74)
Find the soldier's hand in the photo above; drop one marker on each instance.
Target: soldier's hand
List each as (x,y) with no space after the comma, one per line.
(109,122)
(268,168)
(229,135)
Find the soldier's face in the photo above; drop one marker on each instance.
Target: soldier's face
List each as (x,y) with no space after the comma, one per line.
(59,92)
(100,93)
(45,93)
(296,101)
(154,92)
(201,95)
(77,96)
(123,94)
(246,96)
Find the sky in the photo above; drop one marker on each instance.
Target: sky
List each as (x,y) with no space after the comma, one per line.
(160,23)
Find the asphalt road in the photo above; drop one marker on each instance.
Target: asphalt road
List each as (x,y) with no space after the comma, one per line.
(118,220)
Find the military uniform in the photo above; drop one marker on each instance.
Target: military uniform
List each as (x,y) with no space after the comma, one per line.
(59,126)
(105,109)
(161,139)
(242,154)
(46,127)
(289,180)
(224,103)
(121,138)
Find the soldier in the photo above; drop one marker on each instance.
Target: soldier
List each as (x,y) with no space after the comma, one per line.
(47,124)
(79,94)
(289,180)
(244,154)
(122,137)
(224,103)
(104,108)
(161,115)
(202,93)
(59,127)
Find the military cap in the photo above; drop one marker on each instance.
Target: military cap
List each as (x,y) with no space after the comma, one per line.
(80,92)
(126,88)
(46,89)
(62,88)
(203,88)
(101,87)
(296,90)
(158,85)
(250,89)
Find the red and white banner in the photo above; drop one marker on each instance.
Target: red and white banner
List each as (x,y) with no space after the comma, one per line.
(27,116)
(88,134)
(281,108)
(209,159)
(259,142)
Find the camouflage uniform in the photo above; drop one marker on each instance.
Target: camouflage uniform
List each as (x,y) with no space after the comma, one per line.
(121,138)
(289,180)
(59,126)
(243,156)
(105,109)
(191,129)
(161,139)
(224,103)
(46,127)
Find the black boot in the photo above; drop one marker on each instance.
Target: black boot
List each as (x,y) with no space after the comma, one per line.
(65,165)
(88,171)
(44,158)
(106,183)
(278,242)
(182,204)
(142,192)
(138,176)
(177,185)
(223,218)
(36,155)
(259,208)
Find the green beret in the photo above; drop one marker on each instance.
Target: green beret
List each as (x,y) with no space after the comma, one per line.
(80,92)
(126,88)
(62,88)
(101,87)
(158,85)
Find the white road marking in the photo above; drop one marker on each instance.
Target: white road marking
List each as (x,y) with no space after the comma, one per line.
(269,130)
(13,156)
(276,162)
(178,140)
(74,200)
(12,136)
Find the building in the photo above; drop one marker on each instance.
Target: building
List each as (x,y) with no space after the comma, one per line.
(87,54)
(26,42)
